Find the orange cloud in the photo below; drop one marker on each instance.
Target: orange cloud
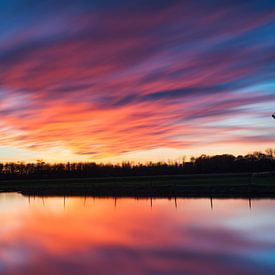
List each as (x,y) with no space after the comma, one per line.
(103,83)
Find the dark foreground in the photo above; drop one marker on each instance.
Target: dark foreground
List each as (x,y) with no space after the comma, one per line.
(215,185)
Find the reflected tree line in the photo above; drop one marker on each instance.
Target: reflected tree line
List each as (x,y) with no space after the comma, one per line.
(226,163)
(176,201)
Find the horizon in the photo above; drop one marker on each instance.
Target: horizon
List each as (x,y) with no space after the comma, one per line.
(182,159)
(141,81)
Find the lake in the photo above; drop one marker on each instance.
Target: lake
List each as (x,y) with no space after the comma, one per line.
(85,235)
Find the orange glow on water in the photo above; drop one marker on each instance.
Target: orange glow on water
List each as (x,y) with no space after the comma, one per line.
(125,235)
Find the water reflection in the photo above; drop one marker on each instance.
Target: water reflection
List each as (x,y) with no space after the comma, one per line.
(84,198)
(74,235)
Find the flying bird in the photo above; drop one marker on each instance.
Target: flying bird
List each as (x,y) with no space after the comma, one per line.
(273,115)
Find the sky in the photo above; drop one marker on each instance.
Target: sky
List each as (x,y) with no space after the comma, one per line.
(138,80)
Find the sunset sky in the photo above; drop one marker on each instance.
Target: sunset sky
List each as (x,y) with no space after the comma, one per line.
(135,80)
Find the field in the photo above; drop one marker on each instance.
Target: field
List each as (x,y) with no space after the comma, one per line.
(211,185)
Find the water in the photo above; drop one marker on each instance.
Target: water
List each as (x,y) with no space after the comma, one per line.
(127,236)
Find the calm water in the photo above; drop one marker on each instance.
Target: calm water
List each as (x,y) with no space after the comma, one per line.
(128,236)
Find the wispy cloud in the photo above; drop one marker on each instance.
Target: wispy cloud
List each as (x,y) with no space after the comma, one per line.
(102,79)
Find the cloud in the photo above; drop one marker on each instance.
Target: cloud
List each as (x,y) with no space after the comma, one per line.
(107,78)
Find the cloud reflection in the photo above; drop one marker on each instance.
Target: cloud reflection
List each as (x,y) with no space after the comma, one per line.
(44,238)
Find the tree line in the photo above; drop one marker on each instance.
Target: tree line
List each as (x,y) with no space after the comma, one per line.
(225,163)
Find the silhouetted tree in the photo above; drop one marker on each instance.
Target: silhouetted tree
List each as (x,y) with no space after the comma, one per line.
(255,162)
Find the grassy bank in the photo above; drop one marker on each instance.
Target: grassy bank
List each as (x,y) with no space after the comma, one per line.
(215,185)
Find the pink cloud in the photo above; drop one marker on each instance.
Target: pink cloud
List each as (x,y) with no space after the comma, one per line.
(115,82)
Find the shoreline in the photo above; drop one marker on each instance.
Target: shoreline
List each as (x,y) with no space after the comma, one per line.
(198,186)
